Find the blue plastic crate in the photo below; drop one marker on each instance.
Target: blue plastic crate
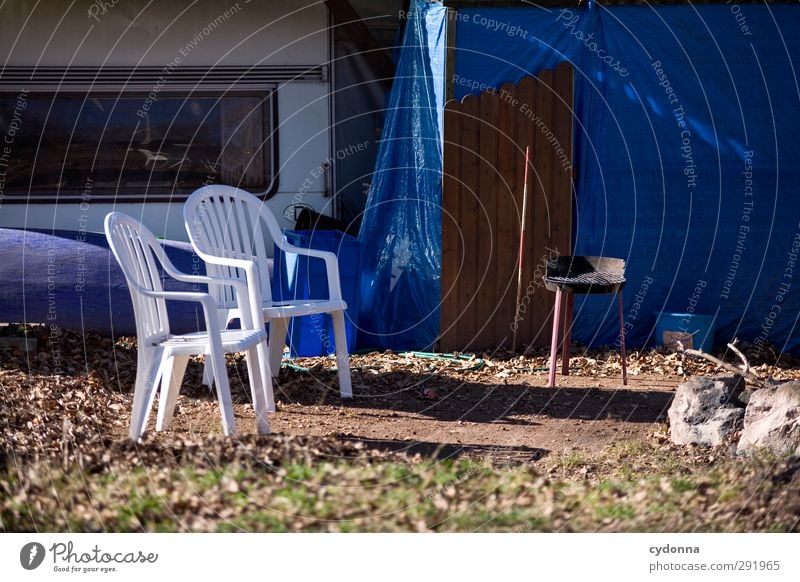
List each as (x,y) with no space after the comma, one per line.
(692,329)
(301,277)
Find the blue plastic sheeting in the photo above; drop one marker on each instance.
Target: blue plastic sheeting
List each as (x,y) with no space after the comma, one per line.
(402,228)
(687,158)
(70,280)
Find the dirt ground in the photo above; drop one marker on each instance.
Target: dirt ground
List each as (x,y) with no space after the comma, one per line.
(479,406)
(413,405)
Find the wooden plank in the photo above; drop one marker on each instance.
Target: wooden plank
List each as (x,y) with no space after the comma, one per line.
(506,230)
(561,173)
(520,123)
(541,298)
(526,94)
(487,221)
(468,222)
(451,255)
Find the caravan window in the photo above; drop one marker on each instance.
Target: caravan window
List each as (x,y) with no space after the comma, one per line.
(134,146)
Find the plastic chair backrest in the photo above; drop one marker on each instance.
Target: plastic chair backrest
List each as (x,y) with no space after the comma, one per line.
(139,254)
(228,222)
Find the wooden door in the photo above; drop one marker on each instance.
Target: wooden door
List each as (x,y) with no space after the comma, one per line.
(484,164)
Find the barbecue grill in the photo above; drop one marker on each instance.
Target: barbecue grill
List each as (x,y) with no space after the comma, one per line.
(585,275)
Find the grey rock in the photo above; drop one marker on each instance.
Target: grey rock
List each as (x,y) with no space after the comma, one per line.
(772,420)
(706,410)
(744,396)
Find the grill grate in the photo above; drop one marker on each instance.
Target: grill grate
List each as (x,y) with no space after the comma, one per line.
(588,279)
(580,274)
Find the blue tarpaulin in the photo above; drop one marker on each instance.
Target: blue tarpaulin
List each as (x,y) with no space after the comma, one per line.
(686,153)
(401,231)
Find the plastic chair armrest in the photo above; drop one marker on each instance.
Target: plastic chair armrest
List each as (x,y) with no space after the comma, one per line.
(251,290)
(331,265)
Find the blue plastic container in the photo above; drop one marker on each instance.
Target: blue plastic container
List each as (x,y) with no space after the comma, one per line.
(301,277)
(691,329)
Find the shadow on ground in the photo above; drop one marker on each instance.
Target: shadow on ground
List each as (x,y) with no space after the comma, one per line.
(498,454)
(455,400)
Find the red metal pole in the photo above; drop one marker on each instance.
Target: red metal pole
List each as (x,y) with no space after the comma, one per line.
(521,248)
(622,341)
(565,349)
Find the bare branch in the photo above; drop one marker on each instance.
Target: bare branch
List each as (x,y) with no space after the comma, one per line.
(745,363)
(746,373)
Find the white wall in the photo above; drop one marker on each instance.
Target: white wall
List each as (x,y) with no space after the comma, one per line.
(151,32)
(131,32)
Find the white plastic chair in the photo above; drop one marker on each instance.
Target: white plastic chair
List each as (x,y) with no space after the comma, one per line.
(230,230)
(162,356)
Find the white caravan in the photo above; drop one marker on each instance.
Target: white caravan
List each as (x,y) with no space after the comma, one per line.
(131,105)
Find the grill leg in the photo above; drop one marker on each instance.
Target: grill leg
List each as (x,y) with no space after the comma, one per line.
(622,341)
(567,335)
(554,341)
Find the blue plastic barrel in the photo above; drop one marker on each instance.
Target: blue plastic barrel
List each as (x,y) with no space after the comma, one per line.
(301,277)
(691,329)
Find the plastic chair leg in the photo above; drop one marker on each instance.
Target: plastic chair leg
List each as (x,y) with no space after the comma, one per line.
(622,353)
(551,383)
(208,373)
(148,371)
(565,350)
(171,378)
(277,341)
(255,372)
(223,391)
(266,374)
(342,357)
(225,318)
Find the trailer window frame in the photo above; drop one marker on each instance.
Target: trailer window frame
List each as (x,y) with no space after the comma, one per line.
(139,194)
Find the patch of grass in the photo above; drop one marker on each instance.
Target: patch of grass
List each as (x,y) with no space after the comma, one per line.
(729,493)
(572,460)
(621,511)
(261,521)
(299,472)
(206,479)
(669,490)
(681,485)
(611,487)
(782,527)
